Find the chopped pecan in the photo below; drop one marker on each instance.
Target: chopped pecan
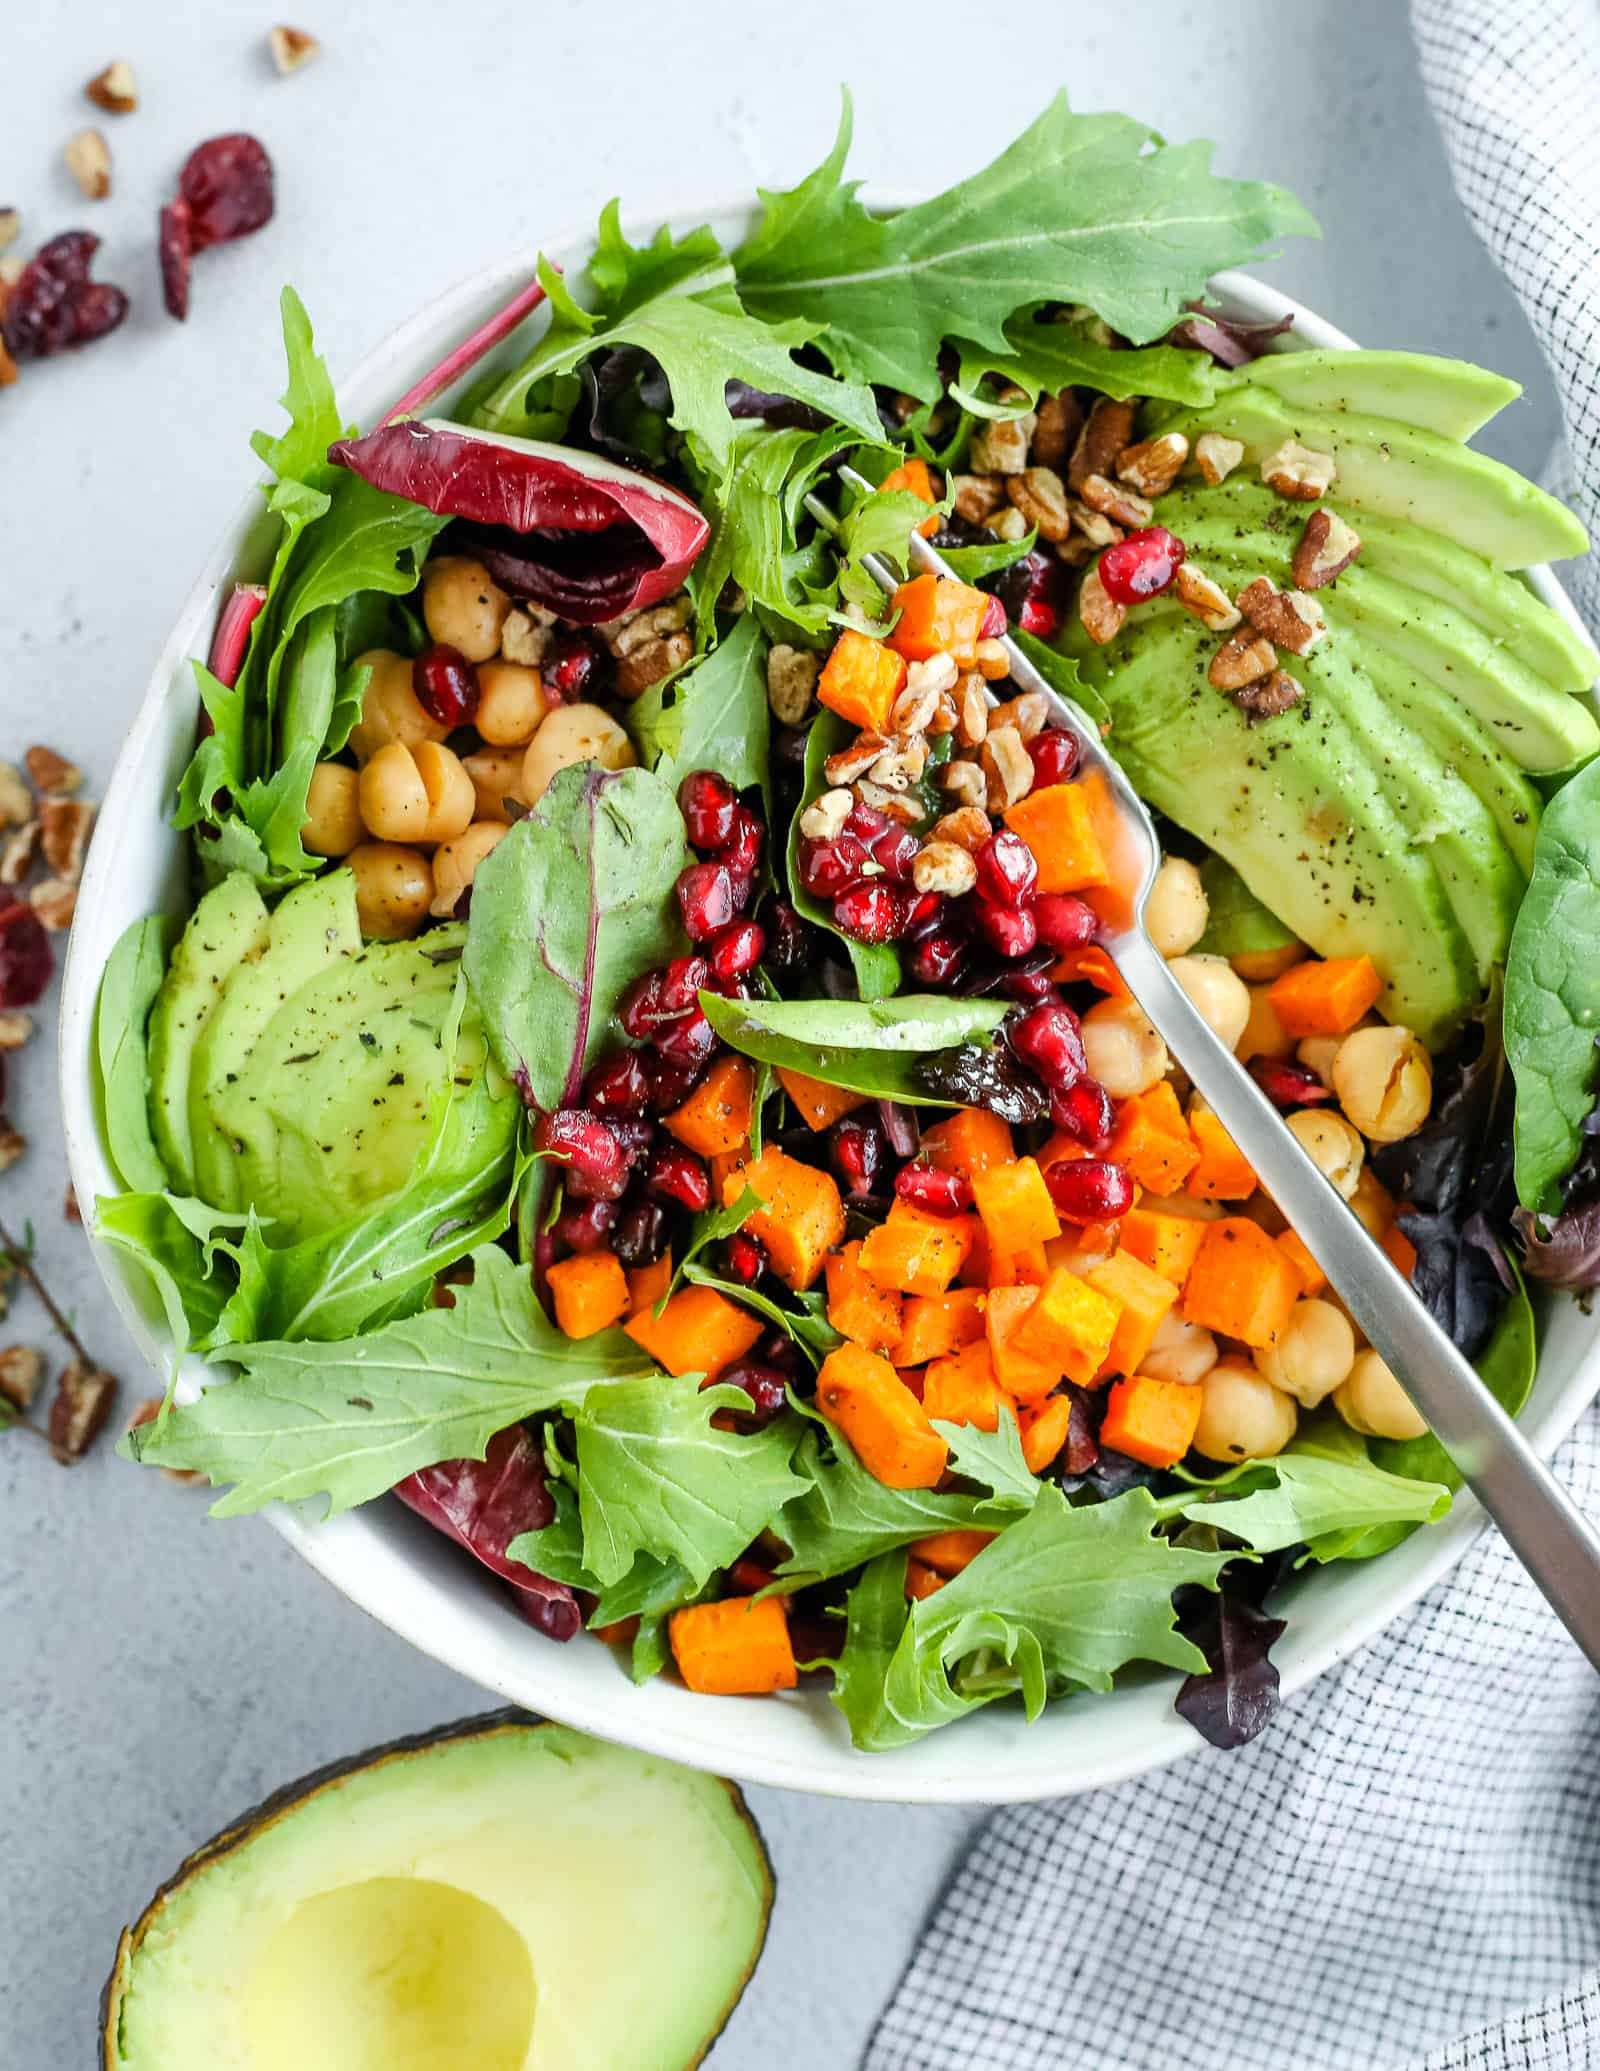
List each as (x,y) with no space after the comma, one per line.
(944,714)
(51,772)
(1217,456)
(945,866)
(18,851)
(1028,713)
(1077,551)
(972,716)
(1113,501)
(915,709)
(21,1370)
(636,629)
(825,816)
(1288,618)
(1009,525)
(15,1028)
(968,827)
(16,802)
(1101,614)
(1000,446)
(64,825)
(977,497)
(1060,421)
(88,157)
(82,1402)
(857,759)
(1325,549)
(1151,467)
(114,89)
(650,663)
(1007,768)
(1107,430)
(1199,593)
(792,674)
(1270,697)
(525,636)
(292,48)
(963,781)
(10,227)
(1097,531)
(1240,661)
(13,1145)
(994,665)
(905,812)
(55,901)
(901,764)
(938,672)
(1038,492)
(1298,471)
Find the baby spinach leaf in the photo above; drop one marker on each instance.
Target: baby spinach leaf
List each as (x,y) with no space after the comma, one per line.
(1552,993)
(1081,208)
(573,905)
(848,1516)
(174,1243)
(132,978)
(347,1421)
(876,964)
(871,1046)
(756,510)
(713,716)
(973,563)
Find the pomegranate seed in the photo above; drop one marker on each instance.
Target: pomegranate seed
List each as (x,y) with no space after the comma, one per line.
(1140,566)
(742,852)
(1084,1112)
(1048,1038)
(586,1228)
(618,1085)
(26,958)
(676,1174)
(689,1041)
(1088,1190)
(596,1162)
(1011,930)
(767,1389)
(1028,988)
(681,981)
(748,1577)
(734,950)
(635,1133)
(446,685)
(1007,872)
(671,1083)
(1288,1085)
(1055,754)
(571,664)
(926,915)
(640,1235)
(786,949)
(705,897)
(1064,921)
(1042,620)
(227,183)
(937,958)
(828,868)
(865,822)
(894,851)
(870,913)
(1038,578)
(661,996)
(856,1151)
(709,806)
(746,1258)
(934,1192)
(993,622)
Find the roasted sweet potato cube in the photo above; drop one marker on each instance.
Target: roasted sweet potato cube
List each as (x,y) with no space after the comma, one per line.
(1150,1420)
(1058,826)
(647,1284)
(888,1428)
(962,1389)
(699,1331)
(947,1553)
(934,1325)
(1044,1431)
(917,1253)
(590,1293)
(858,1307)
(1143,1298)
(1015,1206)
(801,1219)
(1153,1141)
(1020,1373)
(1070,1326)
(1167,1244)
(818,1104)
(967,1142)
(1242,1283)
(739,1647)
(1222,1171)
(715,1119)
(861,679)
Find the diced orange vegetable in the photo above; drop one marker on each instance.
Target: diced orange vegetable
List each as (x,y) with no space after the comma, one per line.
(1091,966)
(736,1648)
(861,679)
(590,1293)
(724,1163)
(1071,1326)
(1241,1283)
(819,1104)
(1029,1267)
(715,1118)
(1018,1372)
(1044,1431)
(1143,1297)
(859,1307)
(883,1420)
(1400,1250)
(935,1325)
(1167,1244)
(917,1253)
(647,1284)
(1159,1152)
(1312,1278)
(1057,1147)
(949,1552)
(1326,998)
(1056,825)
(619,1634)
(921,1581)
(802,1217)
(938,616)
(1222,1172)
(1015,1207)
(913,475)
(967,1142)
(699,1331)
(962,1389)
(1153,1421)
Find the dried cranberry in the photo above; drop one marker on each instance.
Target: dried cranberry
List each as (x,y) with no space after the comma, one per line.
(873,912)
(735,950)
(786,947)
(746,1258)
(55,305)
(748,1577)
(1011,930)
(596,1162)
(993,622)
(571,666)
(1084,1112)
(1048,1038)
(705,899)
(681,981)
(894,851)
(175,249)
(618,1085)
(689,1041)
(767,1389)
(1037,579)
(1064,921)
(1140,566)
(97,309)
(586,1228)
(1055,755)
(934,1192)
(446,685)
(742,851)
(1288,1085)
(856,1151)
(227,184)
(26,958)
(676,1174)
(936,959)
(709,806)
(1027,988)
(1088,1190)
(640,1236)
(828,868)
(1007,872)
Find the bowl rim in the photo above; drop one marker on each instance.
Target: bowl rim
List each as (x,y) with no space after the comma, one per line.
(435,1611)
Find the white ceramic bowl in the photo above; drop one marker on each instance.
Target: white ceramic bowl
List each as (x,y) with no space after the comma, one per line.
(428,1590)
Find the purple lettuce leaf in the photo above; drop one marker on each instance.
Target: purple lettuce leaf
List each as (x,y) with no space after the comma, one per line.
(1232,341)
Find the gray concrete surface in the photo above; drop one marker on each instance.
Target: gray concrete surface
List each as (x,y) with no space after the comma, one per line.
(159,1672)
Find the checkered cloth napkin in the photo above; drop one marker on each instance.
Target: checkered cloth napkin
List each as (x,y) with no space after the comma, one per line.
(1403,1872)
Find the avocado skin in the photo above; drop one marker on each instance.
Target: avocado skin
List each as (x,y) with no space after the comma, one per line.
(485,1725)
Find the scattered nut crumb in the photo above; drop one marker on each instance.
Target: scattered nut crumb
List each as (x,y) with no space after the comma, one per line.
(82,1403)
(15,1028)
(1200,594)
(114,89)
(1217,456)
(1151,467)
(13,1145)
(51,772)
(1297,471)
(1270,697)
(88,157)
(652,663)
(1010,525)
(70,1210)
(1325,549)
(963,781)
(972,712)
(893,805)
(64,827)
(1240,661)
(1102,615)
(1028,713)
(21,1370)
(10,227)
(17,853)
(55,901)
(16,804)
(292,48)
(854,761)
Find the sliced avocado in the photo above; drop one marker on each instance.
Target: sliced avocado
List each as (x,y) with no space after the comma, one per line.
(311,926)
(1450,397)
(502,1895)
(227,928)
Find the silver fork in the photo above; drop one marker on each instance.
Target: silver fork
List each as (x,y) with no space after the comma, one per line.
(1546,1530)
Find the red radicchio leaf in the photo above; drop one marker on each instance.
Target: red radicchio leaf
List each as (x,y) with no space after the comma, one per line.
(1232,341)
(483,1505)
(573,531)
(1238,1694)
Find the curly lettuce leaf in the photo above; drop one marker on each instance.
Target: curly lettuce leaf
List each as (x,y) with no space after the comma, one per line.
(1043,358)
(713,716)
(847,1516)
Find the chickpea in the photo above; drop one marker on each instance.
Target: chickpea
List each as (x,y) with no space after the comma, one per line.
(1179,1351)
(495,774)
(1384,1080)
(1177,910)
(1261,966)
(1373,1204)
(389,709)
(463,606)
(1313,1354)
(333,812)
(455,863)
(1332,1146)
(1242,1416)
(1373,1402)
(394,887)
(511,702)
(450,794)
(394,800)
(1264,1034)
(1124,1052)
(572,734)
(1220,999)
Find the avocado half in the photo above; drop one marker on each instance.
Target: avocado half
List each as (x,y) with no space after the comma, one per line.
(501,1894)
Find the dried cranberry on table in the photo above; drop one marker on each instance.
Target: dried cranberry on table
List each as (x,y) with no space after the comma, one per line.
(55,305)
(225,191)
(175,253)
(26,958)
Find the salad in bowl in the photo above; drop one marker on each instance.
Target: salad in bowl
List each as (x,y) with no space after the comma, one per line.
(632,1074)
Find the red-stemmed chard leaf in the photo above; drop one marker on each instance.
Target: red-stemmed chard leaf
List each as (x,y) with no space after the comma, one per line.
(232,637)
(573,531)
(465,356)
